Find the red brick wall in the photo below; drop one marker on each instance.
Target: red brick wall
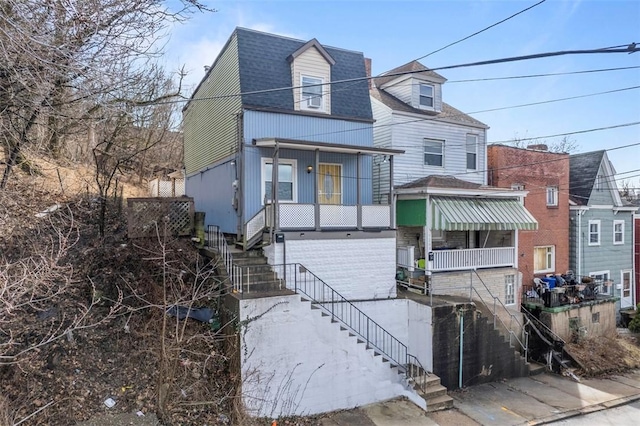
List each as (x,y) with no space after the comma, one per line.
(536,170)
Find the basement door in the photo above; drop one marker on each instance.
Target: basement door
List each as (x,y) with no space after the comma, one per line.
(626,294)
(330,183)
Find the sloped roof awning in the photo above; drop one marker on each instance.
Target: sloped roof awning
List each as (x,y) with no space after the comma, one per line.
(480,214)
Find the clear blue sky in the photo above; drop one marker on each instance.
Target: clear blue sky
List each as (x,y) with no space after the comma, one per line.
(392,33)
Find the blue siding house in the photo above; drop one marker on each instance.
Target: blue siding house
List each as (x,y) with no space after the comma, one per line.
(275,112)
(601,227)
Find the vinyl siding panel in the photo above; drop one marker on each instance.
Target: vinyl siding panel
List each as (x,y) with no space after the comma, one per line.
(209,125)
(603,195)
(312,64)
(215,203)
(409,132)
(402,90)
(259,124)
(381,139)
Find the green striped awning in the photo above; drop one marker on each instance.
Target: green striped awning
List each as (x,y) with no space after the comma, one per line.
(479,214)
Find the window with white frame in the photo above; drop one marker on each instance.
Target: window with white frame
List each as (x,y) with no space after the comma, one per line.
(602,281)
(626,283)
(594,232)
(426,95)
(544,259)
(599,185)
(552,196)
(509,289)
(433,152)
(287,191)
(618,232)
(311,93)
(472,152)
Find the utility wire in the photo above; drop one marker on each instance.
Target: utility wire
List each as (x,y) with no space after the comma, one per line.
(571,133)
(541,75)
(482,30)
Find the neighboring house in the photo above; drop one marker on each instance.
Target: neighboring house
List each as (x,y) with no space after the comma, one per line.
(601,227)
(447,217)
(545,175)
(636,250)
(270,113)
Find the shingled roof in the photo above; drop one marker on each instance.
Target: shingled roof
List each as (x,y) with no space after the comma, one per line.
(264,65)
(411,67)
(438,181)
(583,169)
(448,112)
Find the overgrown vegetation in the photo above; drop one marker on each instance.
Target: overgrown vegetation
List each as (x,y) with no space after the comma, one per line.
(634,324)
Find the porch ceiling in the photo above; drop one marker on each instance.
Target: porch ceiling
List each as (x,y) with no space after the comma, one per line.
(479,214)
(324,147)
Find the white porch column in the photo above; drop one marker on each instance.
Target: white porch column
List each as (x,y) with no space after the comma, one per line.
(427,235)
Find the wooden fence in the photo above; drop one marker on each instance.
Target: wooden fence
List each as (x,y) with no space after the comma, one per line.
(149,217)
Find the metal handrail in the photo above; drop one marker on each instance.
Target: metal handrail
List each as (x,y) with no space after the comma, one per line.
(530,316)
(302,281)
(217,241)
(497,302)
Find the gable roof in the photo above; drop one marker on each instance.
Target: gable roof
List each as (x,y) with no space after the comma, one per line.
(312,43)
(414,67)
(583,169)
(448,112)
(263,65)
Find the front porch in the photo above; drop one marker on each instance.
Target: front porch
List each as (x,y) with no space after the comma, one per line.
(461,259)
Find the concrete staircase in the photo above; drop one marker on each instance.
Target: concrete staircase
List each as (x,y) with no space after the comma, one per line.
(258,277)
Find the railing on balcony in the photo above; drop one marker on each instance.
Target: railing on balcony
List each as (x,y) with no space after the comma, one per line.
(330,216)
(456,260)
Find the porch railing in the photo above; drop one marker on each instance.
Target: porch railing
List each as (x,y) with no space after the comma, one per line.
(456,260)
(217,241)
(332,216)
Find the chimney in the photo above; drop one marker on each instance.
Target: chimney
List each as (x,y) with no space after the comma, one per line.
(538,147)
(367,69)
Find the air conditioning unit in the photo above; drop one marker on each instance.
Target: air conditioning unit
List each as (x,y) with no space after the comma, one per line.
(314,101)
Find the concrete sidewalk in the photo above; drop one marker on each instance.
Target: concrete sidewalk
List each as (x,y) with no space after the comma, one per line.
(534,400)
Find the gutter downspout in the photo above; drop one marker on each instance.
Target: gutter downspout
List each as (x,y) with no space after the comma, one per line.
(579,238)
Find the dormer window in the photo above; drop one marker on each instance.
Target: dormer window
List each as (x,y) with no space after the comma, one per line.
(311,98)
(426,95)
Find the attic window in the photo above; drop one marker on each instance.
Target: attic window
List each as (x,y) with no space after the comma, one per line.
(426,95)
(311,93)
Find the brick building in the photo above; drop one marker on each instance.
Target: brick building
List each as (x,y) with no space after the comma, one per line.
(545,175)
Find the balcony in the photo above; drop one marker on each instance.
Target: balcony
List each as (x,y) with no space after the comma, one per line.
(294,217)
(455,260)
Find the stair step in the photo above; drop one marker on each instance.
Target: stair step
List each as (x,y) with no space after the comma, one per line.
(443,402)
(427,381)
(432,392)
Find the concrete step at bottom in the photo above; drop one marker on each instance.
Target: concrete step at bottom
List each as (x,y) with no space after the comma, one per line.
(433,392)
(444,402)
(427,380)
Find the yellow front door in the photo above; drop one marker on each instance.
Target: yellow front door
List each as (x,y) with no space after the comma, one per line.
(330,184)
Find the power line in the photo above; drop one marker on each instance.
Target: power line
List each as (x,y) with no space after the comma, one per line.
(541,75)
(482,30)
(570,133)
(611,49)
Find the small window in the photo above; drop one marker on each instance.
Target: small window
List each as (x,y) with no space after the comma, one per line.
(594,232)
(433,152)
(286,181)
(472,152)
(599,185)
(618,232)
(509,290)
(426,95)
(311,93)
(595,317)
(517,187)
(626,283)
(552,196)
(544,259)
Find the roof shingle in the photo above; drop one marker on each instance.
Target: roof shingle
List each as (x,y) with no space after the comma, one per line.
(583,169)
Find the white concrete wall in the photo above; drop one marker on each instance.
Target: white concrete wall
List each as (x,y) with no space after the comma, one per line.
(407,321)
(297,362)
(358,269)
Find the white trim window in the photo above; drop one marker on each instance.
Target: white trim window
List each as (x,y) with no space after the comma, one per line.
(552,196)
(618,232)
(602,281)
(472,152)
(594,232)
(287,186)
(625,278)
(434,152)
(426,96)
(311,93)
(509,289)
(544,259)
